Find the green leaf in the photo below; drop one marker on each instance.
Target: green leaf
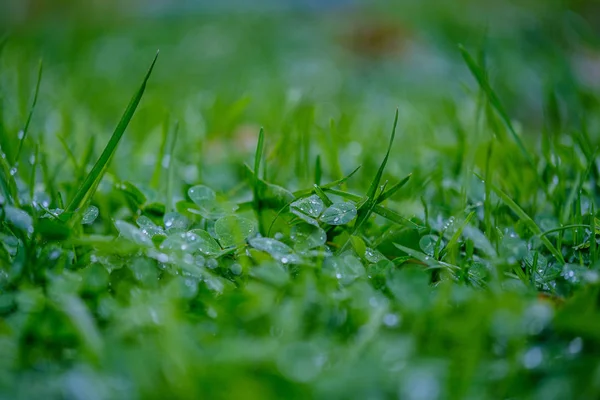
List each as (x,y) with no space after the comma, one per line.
(233,230)
(339,213)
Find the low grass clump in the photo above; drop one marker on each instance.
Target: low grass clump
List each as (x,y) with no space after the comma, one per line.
(435,250)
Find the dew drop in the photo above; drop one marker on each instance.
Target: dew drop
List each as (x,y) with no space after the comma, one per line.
(533,358)
(576,345)
(166,161)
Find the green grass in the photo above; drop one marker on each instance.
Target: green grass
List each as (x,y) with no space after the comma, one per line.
(252,229)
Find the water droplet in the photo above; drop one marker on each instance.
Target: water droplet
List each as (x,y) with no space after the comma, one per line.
(236,269)
(13,171)
(21,134)
(166,161)
(211,312)
(201,193)
(391,320)
(428,244)
(175,222)
(90,215)
(575,346)
(533,358)
(54,254)
(32,159)
(212,263)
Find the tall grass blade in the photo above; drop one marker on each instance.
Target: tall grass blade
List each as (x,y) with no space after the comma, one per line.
(257,160)
(87,189)
(528,221)
(494,100)
(168,167)
(367,207)
(375,183)
(23,133)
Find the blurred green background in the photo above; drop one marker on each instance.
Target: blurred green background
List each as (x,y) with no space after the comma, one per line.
(227,68)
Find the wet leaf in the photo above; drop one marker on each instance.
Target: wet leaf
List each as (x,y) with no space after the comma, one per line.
(339,214)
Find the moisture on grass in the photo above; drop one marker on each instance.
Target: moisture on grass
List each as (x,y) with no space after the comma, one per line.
(298,222)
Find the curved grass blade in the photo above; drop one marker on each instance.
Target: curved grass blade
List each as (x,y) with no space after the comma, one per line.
(367,207)
(87,189)
(8,185)
(431,262)
(23,133)
(454,239)
(338,182)
(481,77)
(528,221)
(375,183)
(155,181)
(257,159)
(319,192)
(377,209)
(564,228)
(318,170)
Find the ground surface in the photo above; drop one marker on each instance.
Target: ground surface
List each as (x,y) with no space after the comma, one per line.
(458,262)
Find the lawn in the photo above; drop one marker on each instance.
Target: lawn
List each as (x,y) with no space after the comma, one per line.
(298,203)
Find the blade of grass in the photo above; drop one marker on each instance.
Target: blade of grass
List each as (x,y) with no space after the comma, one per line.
(391,191)
(32,176)
(430,261)
(593,234)
(528,221)
(168,167)
(454,239)
(155,181)
(23,133)
(318,170)
(257,159)
(8,183)
(92,180)
(375,182)
(367,207)
(581,179)
(377,209)
(85,160)
(563,228)
(494,100)
(306,192)
(319,192)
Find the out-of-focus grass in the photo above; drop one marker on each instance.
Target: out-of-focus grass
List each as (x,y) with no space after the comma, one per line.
(215,261)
